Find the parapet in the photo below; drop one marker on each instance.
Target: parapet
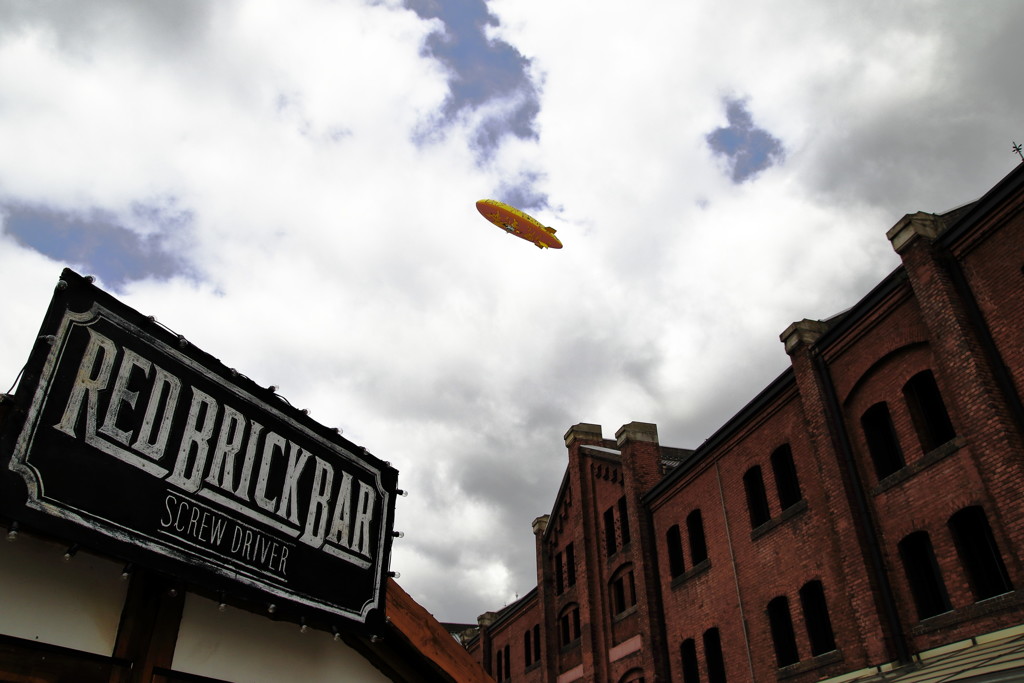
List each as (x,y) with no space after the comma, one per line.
(636,431)
(583,432)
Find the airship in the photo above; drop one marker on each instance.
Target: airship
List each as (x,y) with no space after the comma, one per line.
(515,222)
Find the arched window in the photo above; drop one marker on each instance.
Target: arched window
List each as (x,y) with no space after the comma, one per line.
(622,589)
(923,575)
(884,447)
(698,544)
(536,642)
(819,625)
(979,553)
(528,647)
(757,501)
(674,541)
(508,662)
(688,651)
(713,658)
(781,623)
(499,675)
(633,676)
(786,482)
(569,625)
(927,410)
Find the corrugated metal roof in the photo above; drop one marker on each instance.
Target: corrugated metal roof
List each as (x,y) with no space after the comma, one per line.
(991,658)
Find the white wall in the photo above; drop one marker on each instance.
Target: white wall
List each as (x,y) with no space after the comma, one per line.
(236,645)
(75,604)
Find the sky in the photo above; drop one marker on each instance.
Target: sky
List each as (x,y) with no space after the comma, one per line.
(291,186)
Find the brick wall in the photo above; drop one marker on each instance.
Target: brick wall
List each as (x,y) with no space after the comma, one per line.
(828,526)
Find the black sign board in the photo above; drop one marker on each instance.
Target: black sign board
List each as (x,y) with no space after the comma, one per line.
(137,443)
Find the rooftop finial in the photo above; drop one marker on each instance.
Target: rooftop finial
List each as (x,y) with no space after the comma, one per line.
(1017,149)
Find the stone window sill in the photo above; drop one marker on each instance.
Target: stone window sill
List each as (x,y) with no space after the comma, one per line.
(628,612)
(693,571)
(909,471)
(570,647)
(818,662)
(787,514)
(976,610)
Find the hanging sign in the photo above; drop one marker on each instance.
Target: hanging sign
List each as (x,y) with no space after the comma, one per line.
(153,451)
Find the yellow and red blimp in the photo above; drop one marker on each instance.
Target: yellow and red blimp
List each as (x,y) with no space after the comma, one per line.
(515,222)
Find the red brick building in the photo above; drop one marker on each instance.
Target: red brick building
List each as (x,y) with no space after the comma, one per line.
(861,518)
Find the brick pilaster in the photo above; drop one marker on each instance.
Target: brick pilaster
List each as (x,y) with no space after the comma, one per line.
(641,464)
(867,584)
(964,373)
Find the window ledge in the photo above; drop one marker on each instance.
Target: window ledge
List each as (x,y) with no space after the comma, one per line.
(569,647)
(933,456)
(693,571)
(563,598)
(628,612)
(787,514)
(818,662)
(977,610)
(623,549)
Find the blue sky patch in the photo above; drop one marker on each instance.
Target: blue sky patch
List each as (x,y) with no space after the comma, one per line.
(522,194)
(747,148)
(482,69)
(98,243)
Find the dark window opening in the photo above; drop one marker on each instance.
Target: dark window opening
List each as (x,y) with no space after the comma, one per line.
(783,638)
(569,625)
(688,650)
(609,531)
(979,553)
(528,647)
(559,571)
(698,544)
(623,590)
(757,501)
(536,642)
(927,410)
(819,625)
(624,521)
(884,447)
(674,542)
(926,585)
(713,656)
(786,482)
(570,565)
(499,674)
(508,662)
